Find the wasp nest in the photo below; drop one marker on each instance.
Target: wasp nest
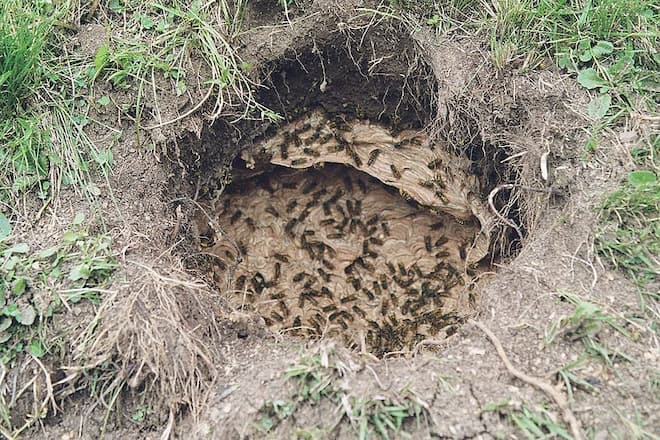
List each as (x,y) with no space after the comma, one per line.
(360,232)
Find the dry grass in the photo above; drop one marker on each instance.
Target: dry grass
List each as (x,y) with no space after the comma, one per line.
(143,330)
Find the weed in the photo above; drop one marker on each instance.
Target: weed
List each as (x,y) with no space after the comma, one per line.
(534,422)
(568,374)
(315,381)
(141,412)
(383,417)
(630,235)
(34,284)
(585,324)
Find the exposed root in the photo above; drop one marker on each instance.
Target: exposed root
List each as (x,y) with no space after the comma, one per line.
(548,389)
(144,329)
(506,221)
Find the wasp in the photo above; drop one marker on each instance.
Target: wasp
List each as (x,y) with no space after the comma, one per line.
(298,162)
(276,316)
(303,215)
(323,275)
(221,265)
(327,222)
(291,206)
(434,164)
(437,225)
(329,308)
(250,222)
(417,270)
(427,243)
(347,298)
(385,307)
(326,292)
(284,151)
(284,309)
(349,268)
(462,252)
(355,282)
(272,211)
(405,308)
(383,282)
(376,241)
(335,235)
(427,184)
(386,229)
(240,282)
(442,197)
(333,148)
(369,293)
(359,311)
(349,207)
(297,322)
(258,282)
(327,264)
(373,220)
(311,152)
(440,241)
(391,267)
(279,295)
(395,171)
(376,288)
(298,277)
(281,257)
(309,186)
(402,269)
(358,208)
(268,321)
(234,218)
(341,211)
(411,292)
(395,299)
(373,155)
(290,225)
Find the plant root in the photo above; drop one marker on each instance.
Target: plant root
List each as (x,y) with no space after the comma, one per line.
(548,389)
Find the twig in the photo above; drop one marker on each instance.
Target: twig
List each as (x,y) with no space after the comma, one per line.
(548,389)
(507,221)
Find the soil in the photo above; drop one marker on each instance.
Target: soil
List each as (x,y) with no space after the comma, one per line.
(205,367)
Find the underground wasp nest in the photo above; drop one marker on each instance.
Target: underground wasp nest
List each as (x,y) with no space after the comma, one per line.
(358,232)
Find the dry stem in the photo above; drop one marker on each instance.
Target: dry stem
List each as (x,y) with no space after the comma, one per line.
(548,389)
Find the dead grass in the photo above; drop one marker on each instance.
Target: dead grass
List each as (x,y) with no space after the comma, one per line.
(143,331)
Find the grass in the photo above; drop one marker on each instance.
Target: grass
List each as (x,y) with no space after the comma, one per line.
(36,284)
(316,381)
(629,235)
(586,324)
(533,421)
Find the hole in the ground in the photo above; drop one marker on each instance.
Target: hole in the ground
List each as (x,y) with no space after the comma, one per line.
(348,221)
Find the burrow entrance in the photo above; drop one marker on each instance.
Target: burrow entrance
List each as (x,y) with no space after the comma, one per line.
(347,220)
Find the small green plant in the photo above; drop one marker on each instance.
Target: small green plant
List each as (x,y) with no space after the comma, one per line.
(630,236)
(570,376)
(585,324)
(140,414)
(35,283)
(533,423)
(383,417)
(315,380)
